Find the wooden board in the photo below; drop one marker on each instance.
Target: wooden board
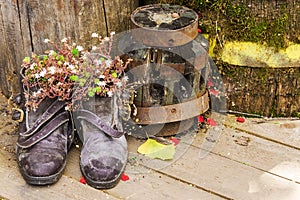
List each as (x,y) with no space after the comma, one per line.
(264,155)
(284,132)
(12,46)
(233,178)
(118,14)
(145,183)
(24,25)
(14,187)
(261,170)
(149,184)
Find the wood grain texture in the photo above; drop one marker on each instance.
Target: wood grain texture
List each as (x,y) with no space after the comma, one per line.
(118,14)
(11,46)
(24,25)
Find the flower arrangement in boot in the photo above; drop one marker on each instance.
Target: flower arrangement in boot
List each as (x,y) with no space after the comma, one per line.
(46,131)
(104,152)
(50,75)
(68,87)
(101,75)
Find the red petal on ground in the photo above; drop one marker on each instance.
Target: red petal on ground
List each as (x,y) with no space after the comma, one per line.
(210,83)
(201,119)
(174,140)
(199,30)
(214,92)
(240,119)
(211,122)
(124,177)
(82,180)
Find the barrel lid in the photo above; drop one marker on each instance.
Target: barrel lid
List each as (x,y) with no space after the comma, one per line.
(164,25)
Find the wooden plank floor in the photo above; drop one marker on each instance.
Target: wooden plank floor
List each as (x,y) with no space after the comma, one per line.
(252,160)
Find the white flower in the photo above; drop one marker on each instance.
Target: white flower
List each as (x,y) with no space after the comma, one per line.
(71,67)
(51,52)
(98,62)
(110,93)
(79,48)
(64,40)
(106,39)
(67,108)
(32,66)
(125,78)
(108,62)
(52,70)
(46,40)
(101,83)
(36,93)
(94,48)
(119,84)
(37,75)
(95,35)
(112,33)
(43,73)
(102,76)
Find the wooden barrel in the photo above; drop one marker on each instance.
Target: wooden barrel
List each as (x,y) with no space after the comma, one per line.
(170,66)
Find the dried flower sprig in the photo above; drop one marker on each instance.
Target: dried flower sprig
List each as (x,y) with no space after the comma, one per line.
(49,75)
(103,75)
(72,73)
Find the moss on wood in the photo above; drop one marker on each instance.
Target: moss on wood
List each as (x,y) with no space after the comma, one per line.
(268,22)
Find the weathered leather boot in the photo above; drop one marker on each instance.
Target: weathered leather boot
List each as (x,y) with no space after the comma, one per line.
(44,138)
(104,152)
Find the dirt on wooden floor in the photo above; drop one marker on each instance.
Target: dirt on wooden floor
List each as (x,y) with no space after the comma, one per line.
(8,127)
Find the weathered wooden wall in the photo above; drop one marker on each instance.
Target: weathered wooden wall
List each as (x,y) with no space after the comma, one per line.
(24,24)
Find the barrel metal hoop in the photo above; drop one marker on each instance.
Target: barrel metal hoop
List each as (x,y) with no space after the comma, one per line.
(172,113)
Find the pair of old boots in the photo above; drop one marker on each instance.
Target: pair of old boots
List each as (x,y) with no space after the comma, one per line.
(47,134)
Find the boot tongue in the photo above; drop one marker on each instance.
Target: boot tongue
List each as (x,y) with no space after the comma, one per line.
(107,109)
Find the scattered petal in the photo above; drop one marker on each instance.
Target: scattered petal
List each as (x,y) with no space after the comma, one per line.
(174,140)
(199,30)
(82,180)
(214,92)
(210,83)
(201,119)
(240,119)
(124,177)
(211,122)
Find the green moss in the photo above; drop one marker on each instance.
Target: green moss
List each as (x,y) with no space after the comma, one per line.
(234,21)
(295,114)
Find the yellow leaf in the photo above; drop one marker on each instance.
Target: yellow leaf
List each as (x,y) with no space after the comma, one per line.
(154,149)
